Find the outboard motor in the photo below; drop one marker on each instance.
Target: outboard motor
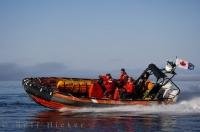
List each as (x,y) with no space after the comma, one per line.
(169,91)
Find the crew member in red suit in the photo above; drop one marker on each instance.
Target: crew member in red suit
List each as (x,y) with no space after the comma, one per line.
(109,85)
(129,88)
(123,78)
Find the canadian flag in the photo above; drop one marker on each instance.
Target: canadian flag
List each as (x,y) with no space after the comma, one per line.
(184,64)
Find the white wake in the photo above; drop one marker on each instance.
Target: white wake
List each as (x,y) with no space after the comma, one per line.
(182,107)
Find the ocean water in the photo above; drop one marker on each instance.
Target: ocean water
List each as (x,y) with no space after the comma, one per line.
(19,113)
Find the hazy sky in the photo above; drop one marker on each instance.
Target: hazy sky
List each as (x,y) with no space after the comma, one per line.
(98,34)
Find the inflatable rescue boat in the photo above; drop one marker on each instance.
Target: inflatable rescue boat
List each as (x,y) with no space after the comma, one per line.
(75,93)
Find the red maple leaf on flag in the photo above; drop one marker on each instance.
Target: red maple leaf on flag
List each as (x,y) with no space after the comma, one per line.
(182,63)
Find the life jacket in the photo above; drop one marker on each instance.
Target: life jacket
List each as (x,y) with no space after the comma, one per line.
(109,85)
(105,80)
(130,87)
(149,85)
(123,78)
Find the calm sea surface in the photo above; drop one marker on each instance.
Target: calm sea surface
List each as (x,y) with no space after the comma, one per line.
(19,113)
